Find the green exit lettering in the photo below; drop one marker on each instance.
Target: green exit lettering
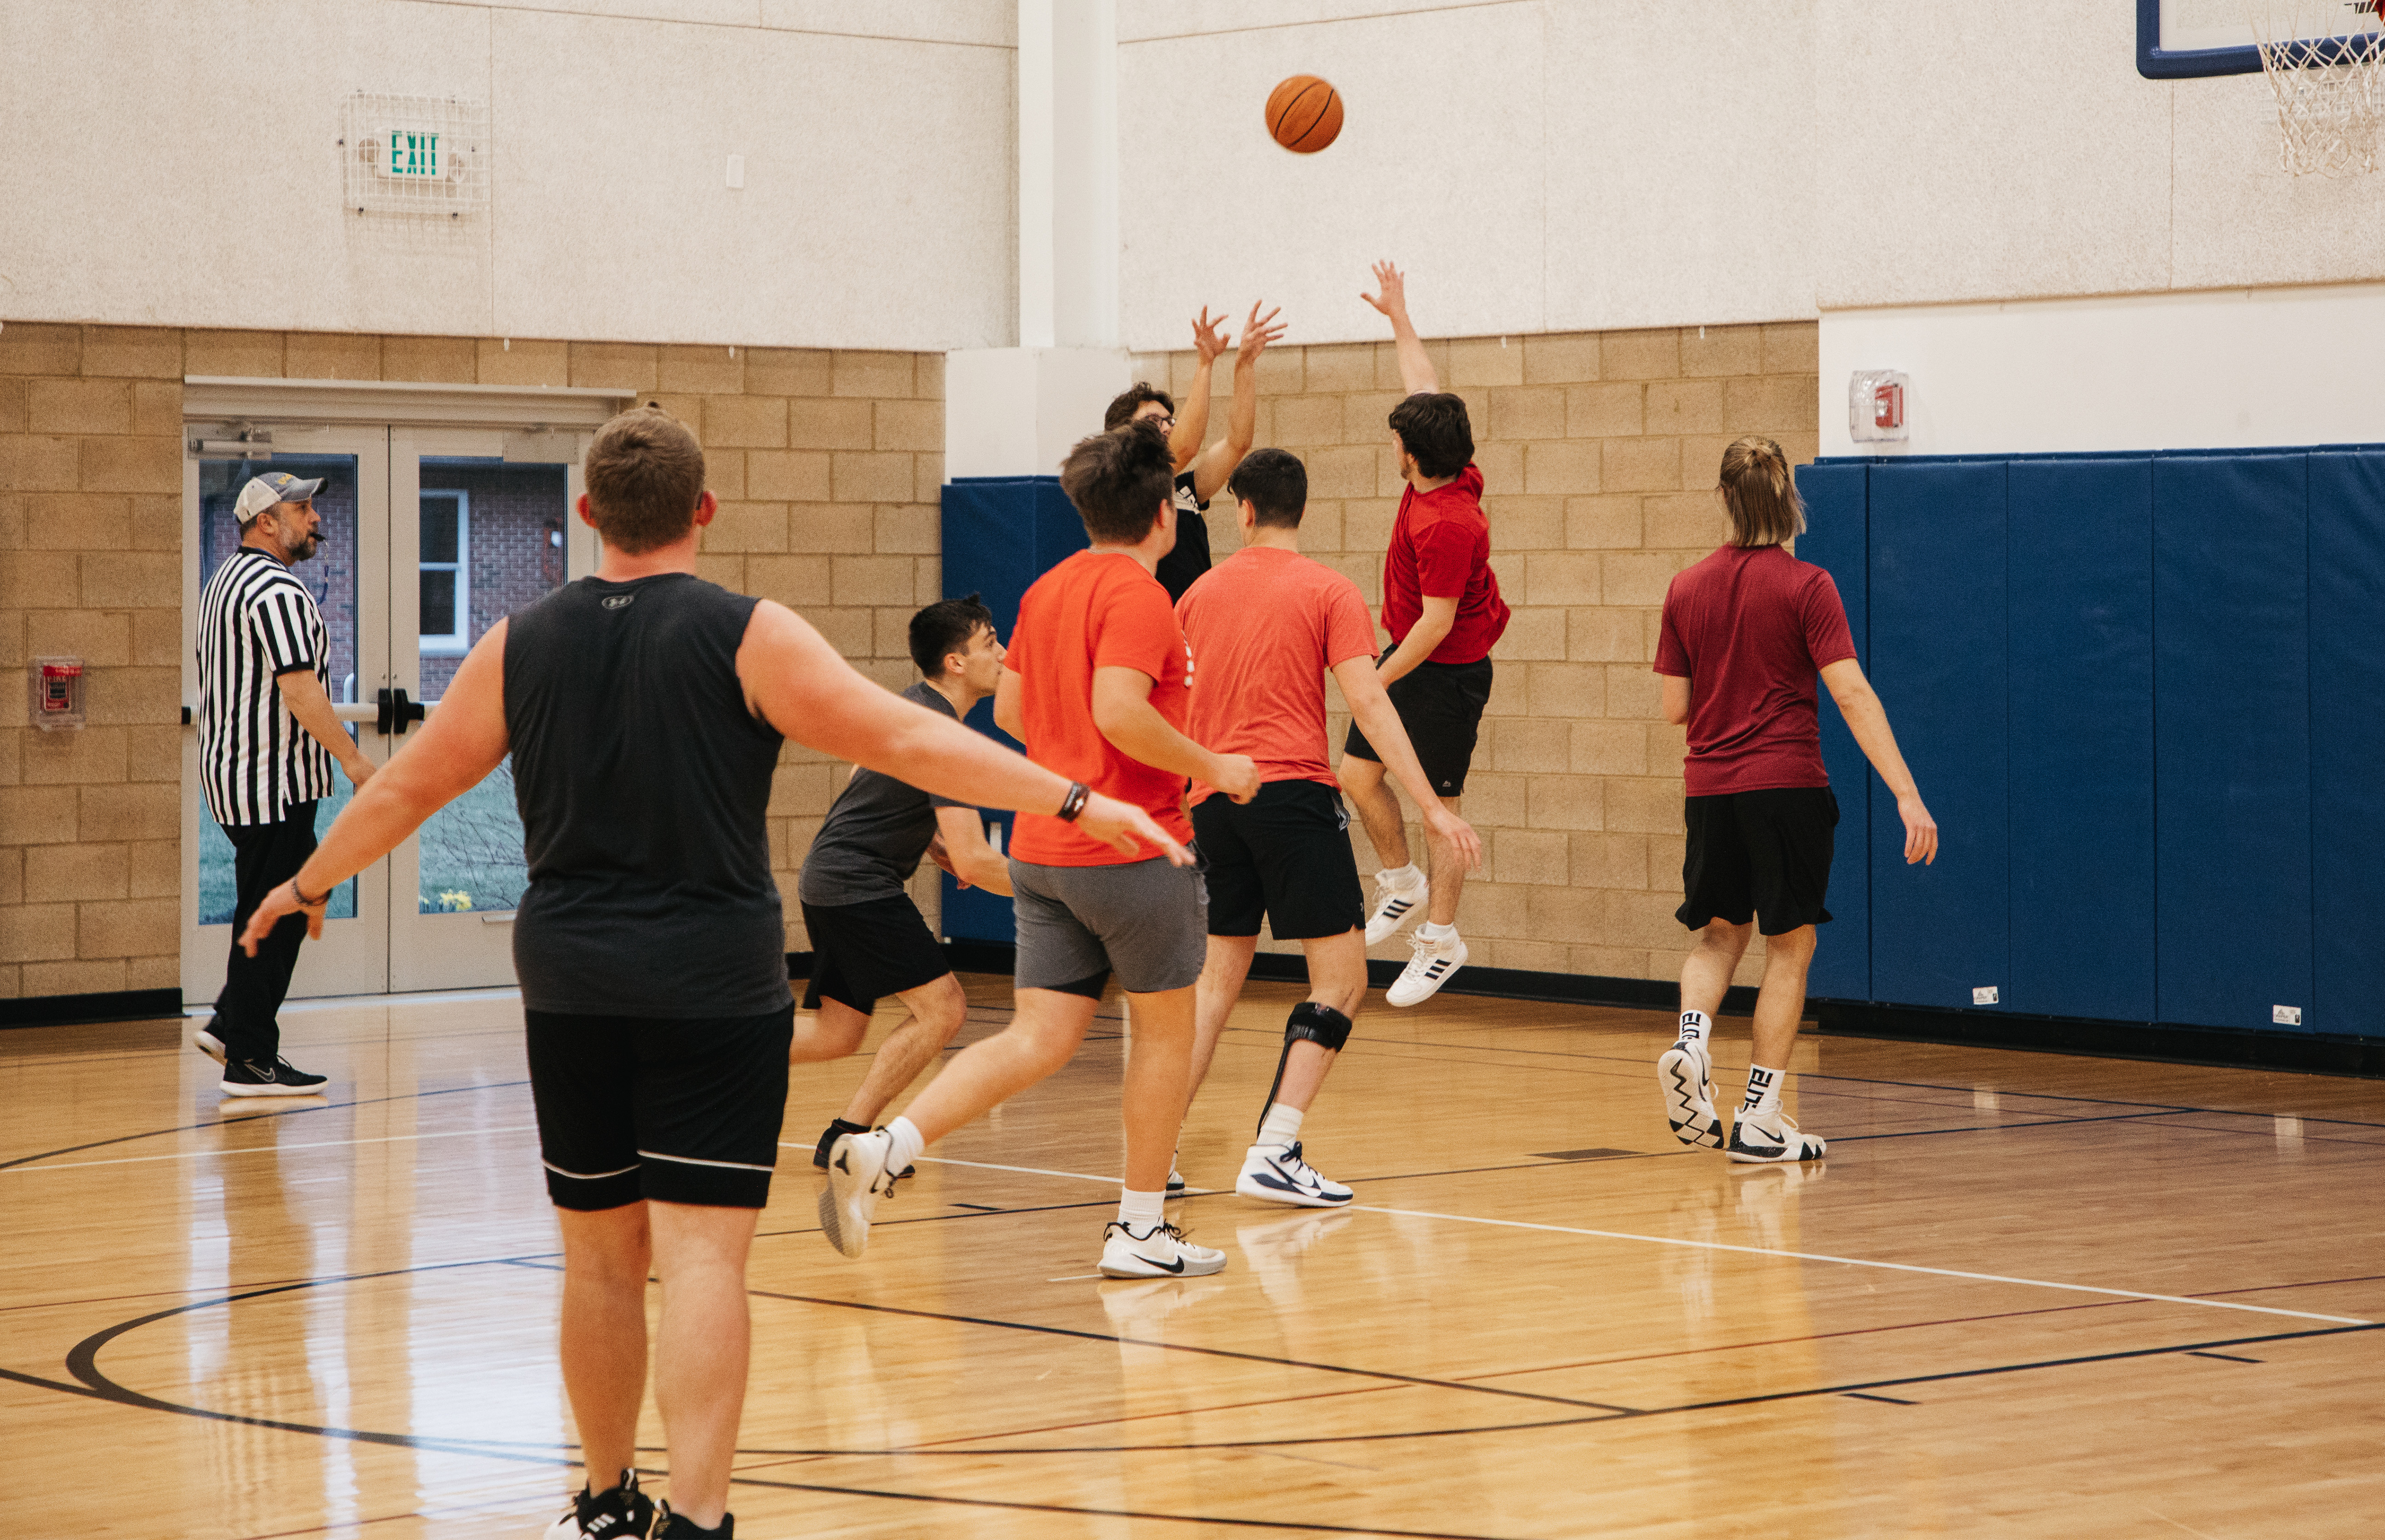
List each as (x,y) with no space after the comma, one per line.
(412,154)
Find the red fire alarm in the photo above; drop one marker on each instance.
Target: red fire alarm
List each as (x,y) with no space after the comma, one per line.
(1876,405)
(57,686)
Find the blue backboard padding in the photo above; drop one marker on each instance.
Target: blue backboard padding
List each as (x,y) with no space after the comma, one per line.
(2082,739)
(2231,725)
(1000,535)
(2347,690)
(1834,541)
(1937,606)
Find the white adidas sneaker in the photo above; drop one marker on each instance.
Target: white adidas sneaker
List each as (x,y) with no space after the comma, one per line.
(1395,905)
(1685,1073)
(858,1178)
(1771,1137)
(1427,970)
(1276,1173)
(1163,1252)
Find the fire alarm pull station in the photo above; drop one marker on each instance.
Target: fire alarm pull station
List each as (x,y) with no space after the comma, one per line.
(1876,405)
(57,686)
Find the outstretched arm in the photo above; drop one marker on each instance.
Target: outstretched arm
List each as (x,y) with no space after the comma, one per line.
(1124,714)
(1193,411)
(1379,721)
(1867,719)
(1216,462)
(1417,375)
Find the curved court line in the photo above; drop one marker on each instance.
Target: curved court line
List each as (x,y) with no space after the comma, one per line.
(1864,1262)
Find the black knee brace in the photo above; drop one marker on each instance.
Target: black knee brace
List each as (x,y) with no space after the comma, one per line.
(1310,1022)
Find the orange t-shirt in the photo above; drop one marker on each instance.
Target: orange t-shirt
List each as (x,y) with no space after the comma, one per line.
(1264,626)
(1098,609)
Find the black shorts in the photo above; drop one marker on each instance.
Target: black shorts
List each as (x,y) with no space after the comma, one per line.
(1440,705)
(1287,853)
(1762,854)
(864,952)
(640,1107)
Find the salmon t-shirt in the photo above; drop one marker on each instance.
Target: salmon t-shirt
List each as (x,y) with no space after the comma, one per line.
(1098,609)
(1264,626)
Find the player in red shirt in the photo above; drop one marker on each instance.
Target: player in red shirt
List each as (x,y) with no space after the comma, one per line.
(1441,606)
(1264,626)
(1745,631)
(1094,687)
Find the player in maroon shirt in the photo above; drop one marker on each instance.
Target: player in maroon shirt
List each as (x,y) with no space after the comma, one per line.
(1745,631)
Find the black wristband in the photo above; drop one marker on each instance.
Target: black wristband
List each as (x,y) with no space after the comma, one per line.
(304,902)
(1074,803)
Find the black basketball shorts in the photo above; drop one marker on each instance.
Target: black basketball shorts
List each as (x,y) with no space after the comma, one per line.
(677,1110)
(1440,705)
(864,952)
(1765,854)
(1286,854)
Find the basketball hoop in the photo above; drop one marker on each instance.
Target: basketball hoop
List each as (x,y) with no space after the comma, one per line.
(2324,60)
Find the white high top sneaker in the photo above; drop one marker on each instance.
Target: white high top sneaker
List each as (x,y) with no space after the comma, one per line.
(1395,905)
(858,1178)
(1428,969)
(1685,1073)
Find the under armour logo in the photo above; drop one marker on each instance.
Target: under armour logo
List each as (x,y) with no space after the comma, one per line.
(618,601)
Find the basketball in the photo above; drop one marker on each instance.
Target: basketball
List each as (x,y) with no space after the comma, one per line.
(1304,114)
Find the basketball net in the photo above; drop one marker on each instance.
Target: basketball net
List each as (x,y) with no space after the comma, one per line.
(2324,60)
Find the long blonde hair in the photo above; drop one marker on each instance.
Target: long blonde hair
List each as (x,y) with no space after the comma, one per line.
(1760,493)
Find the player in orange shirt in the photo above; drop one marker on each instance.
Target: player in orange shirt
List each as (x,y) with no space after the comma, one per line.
(1095,687)
(1264,626)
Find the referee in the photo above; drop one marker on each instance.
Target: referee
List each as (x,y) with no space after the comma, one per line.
(265,668)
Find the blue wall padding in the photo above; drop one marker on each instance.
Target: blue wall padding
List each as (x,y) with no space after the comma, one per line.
(2231,725)
(2347,690)
(1834,541)
(2083,738)
(1937,606)
(1000,535)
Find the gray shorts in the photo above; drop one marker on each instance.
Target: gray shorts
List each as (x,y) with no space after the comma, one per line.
(1147,921)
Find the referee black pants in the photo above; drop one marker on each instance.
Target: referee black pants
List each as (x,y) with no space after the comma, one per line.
(265,855)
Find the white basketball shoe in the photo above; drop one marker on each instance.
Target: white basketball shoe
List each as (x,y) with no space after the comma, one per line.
(1395,905)
(1685,1073)
(1427,970)
(1162,1252)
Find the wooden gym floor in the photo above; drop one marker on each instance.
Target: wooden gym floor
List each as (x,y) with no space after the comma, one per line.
(2027,1296)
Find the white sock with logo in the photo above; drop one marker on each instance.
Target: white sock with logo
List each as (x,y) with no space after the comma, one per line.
(1140,1211)
(1400,876)
(1763,1090)
(1281,1127)
(907,1145)
(1694,1026)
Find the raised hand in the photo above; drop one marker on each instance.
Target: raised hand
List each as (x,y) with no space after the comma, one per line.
(1258,332)
(1208,335)
(1393,299)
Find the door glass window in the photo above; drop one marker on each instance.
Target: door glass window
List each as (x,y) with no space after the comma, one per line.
(331,576)
(492,535)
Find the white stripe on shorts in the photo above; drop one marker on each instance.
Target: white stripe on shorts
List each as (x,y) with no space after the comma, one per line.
(690,1160)
(579,1176)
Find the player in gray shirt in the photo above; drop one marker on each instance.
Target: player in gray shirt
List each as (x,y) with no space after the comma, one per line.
(869,939)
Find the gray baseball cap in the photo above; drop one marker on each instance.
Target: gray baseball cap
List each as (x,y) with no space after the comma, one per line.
(274,486)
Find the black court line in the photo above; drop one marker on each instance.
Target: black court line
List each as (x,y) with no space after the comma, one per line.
(1886,1400)
(2231,1358)
(258,1117)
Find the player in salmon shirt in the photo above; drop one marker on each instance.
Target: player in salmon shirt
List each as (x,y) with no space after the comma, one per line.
(1094,687)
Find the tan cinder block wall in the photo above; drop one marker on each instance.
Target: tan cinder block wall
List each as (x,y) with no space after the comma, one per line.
(827,465)
(1599,453)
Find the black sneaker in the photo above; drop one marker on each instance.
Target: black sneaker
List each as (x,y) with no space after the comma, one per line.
(615,1515)
(679,1526)
(246,1077)
(820,1153)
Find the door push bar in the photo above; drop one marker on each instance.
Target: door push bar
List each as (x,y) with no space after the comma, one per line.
(395,711)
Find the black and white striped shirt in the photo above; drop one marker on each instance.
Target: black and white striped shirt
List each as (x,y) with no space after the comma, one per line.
(255,620)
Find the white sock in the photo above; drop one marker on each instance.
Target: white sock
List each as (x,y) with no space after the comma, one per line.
(1694,1026)
(908,1145)
(1142,1211)
(1280,1126)
(1763,1089)
(1431,932)
(1400,876)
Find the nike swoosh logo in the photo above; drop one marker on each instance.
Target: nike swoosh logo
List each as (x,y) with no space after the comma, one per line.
(1176,1266)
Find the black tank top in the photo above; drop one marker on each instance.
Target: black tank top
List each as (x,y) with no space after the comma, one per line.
(642,779)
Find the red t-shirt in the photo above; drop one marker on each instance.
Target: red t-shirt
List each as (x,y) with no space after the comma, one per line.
(1441,548)
(1264,626)
(1098,609)
(1751,627)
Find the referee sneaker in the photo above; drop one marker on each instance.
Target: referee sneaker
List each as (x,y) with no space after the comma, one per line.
(266,739)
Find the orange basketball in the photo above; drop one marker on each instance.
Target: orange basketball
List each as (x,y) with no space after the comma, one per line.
(1304,114)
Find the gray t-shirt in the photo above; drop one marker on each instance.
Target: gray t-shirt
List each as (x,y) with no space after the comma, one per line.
(876,831)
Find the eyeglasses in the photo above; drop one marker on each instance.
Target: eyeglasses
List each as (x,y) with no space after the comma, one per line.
(1162,421)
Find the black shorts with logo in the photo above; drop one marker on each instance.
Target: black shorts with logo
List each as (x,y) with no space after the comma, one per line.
(681,1110)
(1440,705)
(861,953)
(1765,854)
(1286,854)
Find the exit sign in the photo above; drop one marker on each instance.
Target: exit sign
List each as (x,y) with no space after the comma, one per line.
(412,154)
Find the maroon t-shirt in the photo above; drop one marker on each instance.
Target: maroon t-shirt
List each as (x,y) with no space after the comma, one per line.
(1751,627)
(1440,549)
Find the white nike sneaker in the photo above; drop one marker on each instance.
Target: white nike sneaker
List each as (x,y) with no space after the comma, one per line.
(1685,1073)
(1162,1253)
(1276,1173)
(1426,971)
(1394,906)
(858,1178)
(1770,1138)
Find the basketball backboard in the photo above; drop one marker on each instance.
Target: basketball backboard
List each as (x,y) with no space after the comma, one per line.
(2182,39)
